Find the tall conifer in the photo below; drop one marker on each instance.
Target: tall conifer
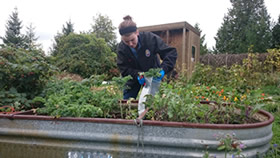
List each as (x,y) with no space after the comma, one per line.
(247,24)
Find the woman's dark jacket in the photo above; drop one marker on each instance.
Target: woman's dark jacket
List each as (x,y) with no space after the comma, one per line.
(151,46)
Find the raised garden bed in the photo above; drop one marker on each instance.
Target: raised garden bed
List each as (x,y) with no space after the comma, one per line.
(25,135)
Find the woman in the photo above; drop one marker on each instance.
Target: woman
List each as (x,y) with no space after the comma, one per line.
(138,52)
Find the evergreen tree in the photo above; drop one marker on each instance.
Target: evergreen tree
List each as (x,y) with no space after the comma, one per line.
(247,24)
(203,47)
(103,28)
(31,38)
(13,36)
(276,35)
(68,29)
(55,44)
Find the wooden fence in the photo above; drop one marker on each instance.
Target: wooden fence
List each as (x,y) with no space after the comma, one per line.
(218,60)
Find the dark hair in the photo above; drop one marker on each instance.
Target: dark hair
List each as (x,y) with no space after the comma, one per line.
(127,23)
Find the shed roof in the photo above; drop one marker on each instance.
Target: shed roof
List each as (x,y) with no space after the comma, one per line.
(170,26)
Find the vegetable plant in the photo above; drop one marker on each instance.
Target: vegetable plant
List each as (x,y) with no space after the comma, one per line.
(81,99)
(153,72)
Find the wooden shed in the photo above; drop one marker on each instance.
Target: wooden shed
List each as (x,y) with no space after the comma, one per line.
(184,37)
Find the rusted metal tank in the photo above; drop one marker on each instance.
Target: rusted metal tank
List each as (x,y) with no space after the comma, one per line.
(29,136)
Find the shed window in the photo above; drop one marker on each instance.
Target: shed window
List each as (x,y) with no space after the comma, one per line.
(193,54)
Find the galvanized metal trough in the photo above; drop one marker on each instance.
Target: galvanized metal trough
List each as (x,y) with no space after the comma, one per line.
(29,136)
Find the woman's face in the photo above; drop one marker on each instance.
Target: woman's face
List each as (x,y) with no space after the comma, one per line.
(131,40)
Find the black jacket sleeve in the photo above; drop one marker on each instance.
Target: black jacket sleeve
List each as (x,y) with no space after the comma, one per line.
(167,54)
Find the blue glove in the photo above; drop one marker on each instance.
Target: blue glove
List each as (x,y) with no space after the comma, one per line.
(141,80)
(162,73)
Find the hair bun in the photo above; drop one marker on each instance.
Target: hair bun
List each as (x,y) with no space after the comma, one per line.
(127,17)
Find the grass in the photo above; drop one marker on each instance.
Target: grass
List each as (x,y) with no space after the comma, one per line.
(274,108)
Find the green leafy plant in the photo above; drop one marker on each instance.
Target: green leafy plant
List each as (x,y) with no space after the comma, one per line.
(230,144)
(241,77)
(153,72)
(94,80)
(129,110)
(230,94)
(14,99)
(273,60)
(81,99)
(274,152)
(203,104)
(23,75)
(84,54)
(68,98)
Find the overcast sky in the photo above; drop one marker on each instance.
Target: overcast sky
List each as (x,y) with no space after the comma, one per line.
(48,16)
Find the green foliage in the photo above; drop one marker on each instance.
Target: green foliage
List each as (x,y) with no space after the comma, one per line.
(233,86)
(26,71)
(276,128)
(94,80)
(272,90)
(247,23)
(98,80)
(203,74)
(273,60)
(242,77)
(103,28)
(23,75)
(276,35)
(68,98)
(273,107)
(175,102)
(31,38)
(69,28)
(153,72)
(120,83)
(13,36)
(85,99)
(86,55)
(274,152)
(14,99)
(230,144)
(172,103)
(252,75)
(66,30)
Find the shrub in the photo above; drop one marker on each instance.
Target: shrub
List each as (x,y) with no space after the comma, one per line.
(86,55)
(87,98)
(242,77)
(273,59)
(68,98)
(23,73)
